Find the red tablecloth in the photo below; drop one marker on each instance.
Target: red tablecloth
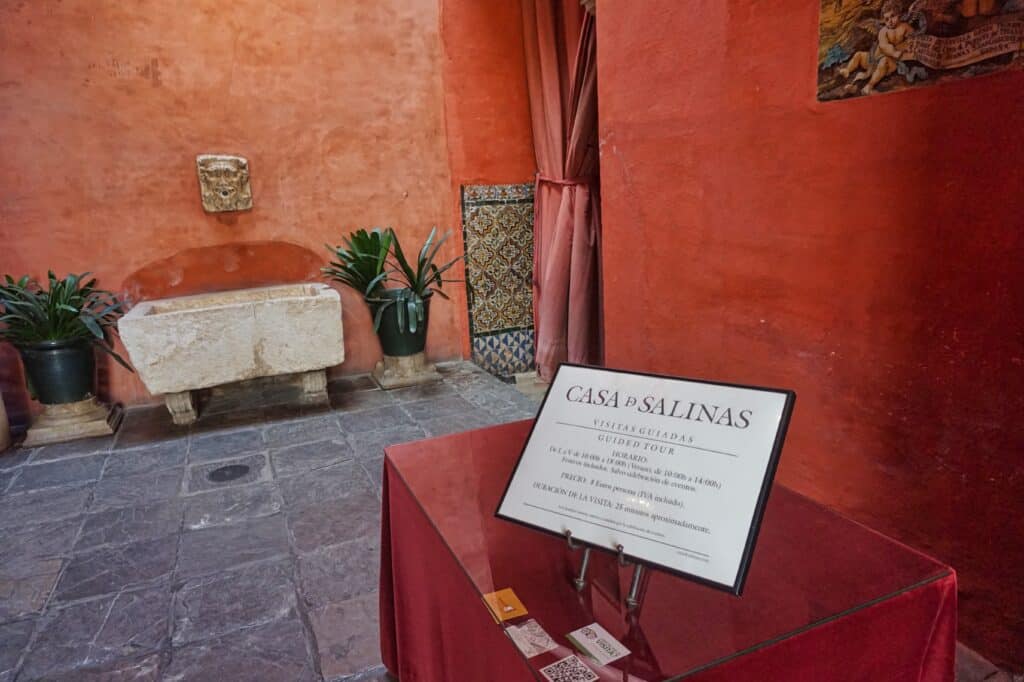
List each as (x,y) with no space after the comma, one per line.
(809,612)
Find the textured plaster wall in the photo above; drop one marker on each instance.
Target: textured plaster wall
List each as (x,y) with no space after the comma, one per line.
(867,253)
(487,106)
(339,106)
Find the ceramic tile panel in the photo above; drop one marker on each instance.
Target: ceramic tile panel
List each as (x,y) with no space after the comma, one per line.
(505,354)
(498,234)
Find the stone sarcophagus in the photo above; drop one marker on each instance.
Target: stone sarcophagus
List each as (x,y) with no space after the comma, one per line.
(178,345)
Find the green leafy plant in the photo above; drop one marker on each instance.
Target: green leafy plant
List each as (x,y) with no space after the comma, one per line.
(360,260)
(68,309)
(421,281)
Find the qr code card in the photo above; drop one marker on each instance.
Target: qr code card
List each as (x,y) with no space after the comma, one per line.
(569,669)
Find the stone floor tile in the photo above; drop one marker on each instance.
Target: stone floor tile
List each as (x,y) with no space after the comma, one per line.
(14,639)
(354,382)
(238,420)
(131,524)
(973,667)
(74,448)
(454,423)
(14,457)
(138,669)
(221,547)
(137,489)
(221,399)
(64,638)
(371,445)
(273,414)
(138,623)
(322,484)
(112,569)
(62,472)
(32,507)
(5,479)
(198,476)
(376,674)
(438,407)
(353,401)
(147,425)
(21,546)
(347,636)
(212,447)
(295,459)
(503,416)
(377,419)
(219,604)
(488,399)
(450,369)
(340,572)
(345,518)
(529,404)
(464,380)
(374,469)
(274,652)
(322,427)
(25,592)
(146,459)
(231,505)
(280,394)
(431,391)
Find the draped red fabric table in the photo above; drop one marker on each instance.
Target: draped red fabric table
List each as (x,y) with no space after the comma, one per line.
(826,598)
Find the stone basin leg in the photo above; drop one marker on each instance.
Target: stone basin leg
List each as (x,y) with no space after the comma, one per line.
(180,406)
(314,386)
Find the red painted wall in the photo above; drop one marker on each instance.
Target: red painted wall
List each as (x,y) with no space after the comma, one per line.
(487,106)
(867,253)
(339,107)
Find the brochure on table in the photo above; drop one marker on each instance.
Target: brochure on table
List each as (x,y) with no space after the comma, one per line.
(676,471)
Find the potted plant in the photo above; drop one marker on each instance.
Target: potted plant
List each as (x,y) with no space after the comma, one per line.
(55,331)
(400,314)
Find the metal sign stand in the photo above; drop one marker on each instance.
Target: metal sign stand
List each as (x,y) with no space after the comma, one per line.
(633,599)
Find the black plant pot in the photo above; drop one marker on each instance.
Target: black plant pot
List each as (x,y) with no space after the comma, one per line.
(60,372)
(395,341)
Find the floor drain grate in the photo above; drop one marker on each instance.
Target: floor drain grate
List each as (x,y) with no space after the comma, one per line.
(228,473)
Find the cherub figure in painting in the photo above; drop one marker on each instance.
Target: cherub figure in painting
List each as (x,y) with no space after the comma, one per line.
(883,59)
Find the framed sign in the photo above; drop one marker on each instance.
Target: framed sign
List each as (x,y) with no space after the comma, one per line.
(676,471)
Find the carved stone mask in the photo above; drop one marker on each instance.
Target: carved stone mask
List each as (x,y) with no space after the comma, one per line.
(224,183)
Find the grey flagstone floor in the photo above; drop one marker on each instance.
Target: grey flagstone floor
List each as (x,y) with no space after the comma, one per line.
(122,560)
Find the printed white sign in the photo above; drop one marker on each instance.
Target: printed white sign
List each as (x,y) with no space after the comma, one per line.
(675,471)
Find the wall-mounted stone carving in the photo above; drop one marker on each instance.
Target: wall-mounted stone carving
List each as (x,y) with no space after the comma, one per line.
(224,183)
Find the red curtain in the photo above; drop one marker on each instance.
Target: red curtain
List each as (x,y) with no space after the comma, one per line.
(561,63)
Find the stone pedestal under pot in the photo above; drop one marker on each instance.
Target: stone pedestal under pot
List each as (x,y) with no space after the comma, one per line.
(404,363)
(70,421)
(62,376)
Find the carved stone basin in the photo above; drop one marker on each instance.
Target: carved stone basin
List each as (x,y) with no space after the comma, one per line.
(178,345)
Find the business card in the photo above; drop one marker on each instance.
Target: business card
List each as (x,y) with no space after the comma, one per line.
(531,638)
(569,669)
(504,604)
(598,644)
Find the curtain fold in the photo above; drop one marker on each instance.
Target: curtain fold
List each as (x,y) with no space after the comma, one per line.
(561,62)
